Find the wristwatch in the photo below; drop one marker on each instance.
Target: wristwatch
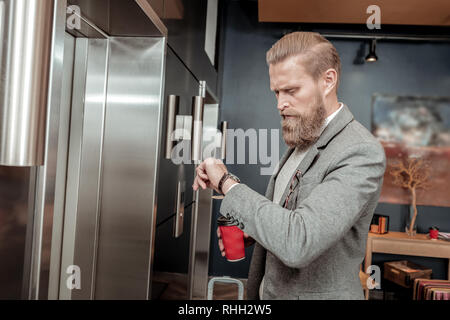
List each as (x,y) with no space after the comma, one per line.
(224,178)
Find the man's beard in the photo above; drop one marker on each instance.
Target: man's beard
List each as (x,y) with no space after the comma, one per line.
(302,131)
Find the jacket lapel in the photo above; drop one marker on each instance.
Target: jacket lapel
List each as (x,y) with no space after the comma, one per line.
(340,121)
(271,186)
(336,125)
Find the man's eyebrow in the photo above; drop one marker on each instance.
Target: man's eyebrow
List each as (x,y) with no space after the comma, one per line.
(288,88)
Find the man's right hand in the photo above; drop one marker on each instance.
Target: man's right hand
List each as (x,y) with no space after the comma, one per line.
(248,241)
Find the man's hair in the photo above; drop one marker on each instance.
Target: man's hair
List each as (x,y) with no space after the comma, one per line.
(320,54)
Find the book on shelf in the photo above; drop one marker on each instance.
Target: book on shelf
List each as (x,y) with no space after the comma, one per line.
(379,224)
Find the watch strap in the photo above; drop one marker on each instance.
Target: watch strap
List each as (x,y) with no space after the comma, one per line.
(225,176)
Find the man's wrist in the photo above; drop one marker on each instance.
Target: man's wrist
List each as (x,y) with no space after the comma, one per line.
(228,184)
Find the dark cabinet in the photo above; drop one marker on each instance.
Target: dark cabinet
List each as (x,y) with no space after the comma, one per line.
(186,24)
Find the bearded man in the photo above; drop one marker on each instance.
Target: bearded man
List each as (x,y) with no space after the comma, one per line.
(310,229)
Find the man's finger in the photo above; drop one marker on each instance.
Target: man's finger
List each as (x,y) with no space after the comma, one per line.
(201,167)
(199,183)
(222,248)
(202,183)
(202,174)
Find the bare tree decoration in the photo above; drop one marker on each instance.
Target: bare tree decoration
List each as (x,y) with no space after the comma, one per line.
(411,173)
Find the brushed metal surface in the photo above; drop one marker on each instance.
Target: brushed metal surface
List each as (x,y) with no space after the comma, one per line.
(43,178)
(179,205)
(196,156)
(48,174)
(129,168)
(173,107)
(202,209)
(193,246)
(25,50)
(73,163)
(183,130)
(60,183)
(88,214)
(223,145)
(83,183)
(197,127)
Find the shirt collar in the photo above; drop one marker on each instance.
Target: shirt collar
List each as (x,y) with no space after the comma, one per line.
(331,116)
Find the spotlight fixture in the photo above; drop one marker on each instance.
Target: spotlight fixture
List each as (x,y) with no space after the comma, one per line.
(372,57)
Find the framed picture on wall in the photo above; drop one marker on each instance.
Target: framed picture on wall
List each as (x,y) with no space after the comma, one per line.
(418,127)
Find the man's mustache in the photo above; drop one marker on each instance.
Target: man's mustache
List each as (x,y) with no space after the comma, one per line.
(283,116)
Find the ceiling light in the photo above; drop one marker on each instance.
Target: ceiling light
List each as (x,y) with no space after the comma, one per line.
(372,57)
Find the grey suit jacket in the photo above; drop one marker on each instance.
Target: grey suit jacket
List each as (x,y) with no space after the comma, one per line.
(313,248)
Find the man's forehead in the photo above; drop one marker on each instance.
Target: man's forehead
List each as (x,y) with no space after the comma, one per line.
(286,73)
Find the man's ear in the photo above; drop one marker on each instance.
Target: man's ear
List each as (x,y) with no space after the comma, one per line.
(330,78)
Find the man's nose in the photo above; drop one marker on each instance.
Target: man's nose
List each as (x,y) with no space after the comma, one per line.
(281,105)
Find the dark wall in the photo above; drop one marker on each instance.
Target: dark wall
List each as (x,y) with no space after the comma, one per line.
(403,68)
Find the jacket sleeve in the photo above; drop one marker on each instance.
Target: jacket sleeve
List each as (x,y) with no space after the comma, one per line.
(297,237)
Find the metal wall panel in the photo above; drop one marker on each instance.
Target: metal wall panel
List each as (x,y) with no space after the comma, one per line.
(84,166)
(90,176)
(73,162)
(60,183)
(129,168)
(48,175)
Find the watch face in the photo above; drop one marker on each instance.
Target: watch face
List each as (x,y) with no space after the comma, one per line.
(235,178)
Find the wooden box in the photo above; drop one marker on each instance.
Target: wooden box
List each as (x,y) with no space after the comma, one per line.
(404,272)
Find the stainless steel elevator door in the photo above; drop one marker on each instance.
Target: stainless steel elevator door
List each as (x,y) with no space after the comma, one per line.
(81,216)
(112,168)
(130,161)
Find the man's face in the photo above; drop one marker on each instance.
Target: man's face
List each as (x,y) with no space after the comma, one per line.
(299,101)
